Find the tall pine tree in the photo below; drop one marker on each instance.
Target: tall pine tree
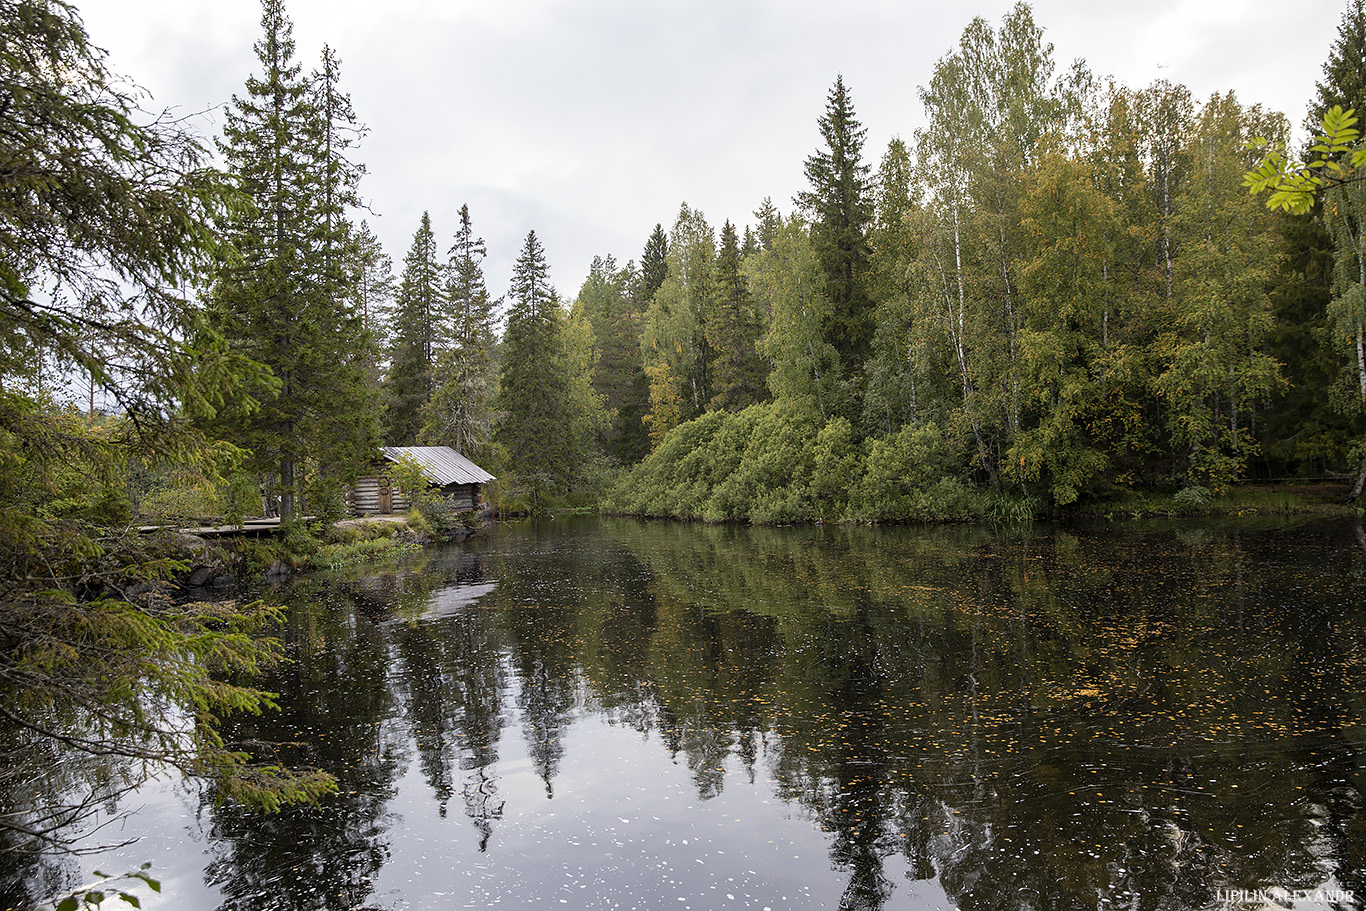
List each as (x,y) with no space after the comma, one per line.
(533,379)
(840,211)
(283,299)
(417,314)
(654,266)
(739,373)
(460,411)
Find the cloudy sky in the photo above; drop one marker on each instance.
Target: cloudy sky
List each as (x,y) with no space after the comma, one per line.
(589,121)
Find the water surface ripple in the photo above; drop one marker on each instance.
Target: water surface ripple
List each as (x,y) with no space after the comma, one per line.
(608,714)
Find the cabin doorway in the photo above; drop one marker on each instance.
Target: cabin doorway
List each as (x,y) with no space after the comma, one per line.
(386,497)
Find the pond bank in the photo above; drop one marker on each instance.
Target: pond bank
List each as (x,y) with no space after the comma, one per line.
(225,562)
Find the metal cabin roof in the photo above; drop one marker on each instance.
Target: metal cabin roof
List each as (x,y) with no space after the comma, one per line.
(442,464)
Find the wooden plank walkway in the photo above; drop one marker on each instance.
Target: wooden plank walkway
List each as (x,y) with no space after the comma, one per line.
(248,527)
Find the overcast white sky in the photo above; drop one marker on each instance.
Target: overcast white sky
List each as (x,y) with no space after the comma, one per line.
(590,121)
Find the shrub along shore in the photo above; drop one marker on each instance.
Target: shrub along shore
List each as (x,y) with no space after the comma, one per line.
(770,465)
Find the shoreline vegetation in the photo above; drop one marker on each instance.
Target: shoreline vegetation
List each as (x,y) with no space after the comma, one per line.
(305,547)
(765,465)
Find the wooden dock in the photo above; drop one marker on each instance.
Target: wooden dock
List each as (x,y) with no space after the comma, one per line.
(249,527)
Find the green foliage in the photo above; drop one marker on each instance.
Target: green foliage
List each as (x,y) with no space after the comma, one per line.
(898,469)
(417,522)
(788,284)
(94,895)
(840,211)
(1336,179)
(367,550)
(587,418)
(417,332)
(675,349)
(1063,278)
(771,464)
(104,661)
(772,482)
(437,515)
(836,466)
(738,374)
(300,542)
(286,296)
(412,479)
(654,266)
(105,222)
(618,377)
(1192,497)
(679,475)
(448,521)
(1337,161)
(460,411)
(371,281)
(185,496)
(534,379)
(104,218)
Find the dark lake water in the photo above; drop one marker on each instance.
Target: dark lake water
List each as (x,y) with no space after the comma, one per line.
(605,714)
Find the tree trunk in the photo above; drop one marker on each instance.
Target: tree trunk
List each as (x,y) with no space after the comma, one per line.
(286,489)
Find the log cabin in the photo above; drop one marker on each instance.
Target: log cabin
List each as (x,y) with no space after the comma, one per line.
(453,476)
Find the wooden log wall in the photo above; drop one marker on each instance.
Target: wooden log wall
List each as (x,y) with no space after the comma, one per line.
(364,498)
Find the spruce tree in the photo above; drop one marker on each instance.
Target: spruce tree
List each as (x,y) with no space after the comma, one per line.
(619,379)
(370,277)
(284,300)
(1344,72)
(654,266)
(533,378)
(770,222)
(417,312)
(460,410)
(738,374)
(838,207)
(749,244)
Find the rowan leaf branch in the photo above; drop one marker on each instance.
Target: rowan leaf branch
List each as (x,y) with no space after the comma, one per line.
(1337,159)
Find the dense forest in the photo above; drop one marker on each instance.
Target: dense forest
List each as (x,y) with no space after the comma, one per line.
(1059,290)
(1056,293)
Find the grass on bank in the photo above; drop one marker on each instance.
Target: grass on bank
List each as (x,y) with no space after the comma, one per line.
(319,545)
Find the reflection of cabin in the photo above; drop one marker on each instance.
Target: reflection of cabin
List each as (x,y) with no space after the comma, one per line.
(453,476)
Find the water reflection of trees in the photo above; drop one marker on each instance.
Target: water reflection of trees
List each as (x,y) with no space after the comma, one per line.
(337,715)
(452,679)
(41,812)
(1045,719)
(1053,719)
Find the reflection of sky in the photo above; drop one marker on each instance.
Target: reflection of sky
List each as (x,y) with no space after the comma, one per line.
(164,817)
(455,598)
(625,829)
